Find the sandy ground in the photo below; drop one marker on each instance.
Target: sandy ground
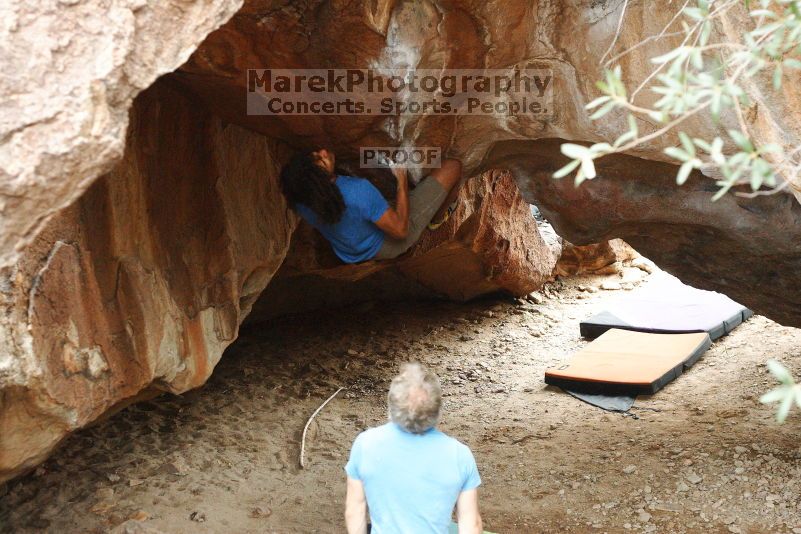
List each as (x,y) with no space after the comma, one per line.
(702,455)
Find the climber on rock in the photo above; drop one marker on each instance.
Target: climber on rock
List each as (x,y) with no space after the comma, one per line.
(353,216)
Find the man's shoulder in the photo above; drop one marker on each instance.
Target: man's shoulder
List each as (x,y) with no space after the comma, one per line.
(373,433)
(455,443)
(389,432)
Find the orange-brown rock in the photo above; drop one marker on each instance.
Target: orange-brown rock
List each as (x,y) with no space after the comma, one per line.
(489,244)
(140,285)
(57,137)
(597,258)
(71,71)
(747,248)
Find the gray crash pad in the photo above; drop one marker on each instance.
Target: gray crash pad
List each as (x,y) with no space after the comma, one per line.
(667,306)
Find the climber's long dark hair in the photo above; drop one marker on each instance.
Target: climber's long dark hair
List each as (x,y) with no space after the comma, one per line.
(303,181)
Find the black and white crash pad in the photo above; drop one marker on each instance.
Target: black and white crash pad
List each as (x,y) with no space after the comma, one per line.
(665,305)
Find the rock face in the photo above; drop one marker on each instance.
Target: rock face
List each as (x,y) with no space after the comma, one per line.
(597,258)
(747,248)
(71,70)
(715,246)
(489,244)
(140,285)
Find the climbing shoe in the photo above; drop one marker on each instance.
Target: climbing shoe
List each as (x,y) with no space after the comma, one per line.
(434,225)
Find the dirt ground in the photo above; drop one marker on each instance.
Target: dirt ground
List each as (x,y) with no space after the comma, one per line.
(702,455)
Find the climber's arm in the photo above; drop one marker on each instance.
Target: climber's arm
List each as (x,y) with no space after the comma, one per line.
(395,221)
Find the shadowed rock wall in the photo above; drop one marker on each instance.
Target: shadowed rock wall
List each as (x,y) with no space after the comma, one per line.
(140,285)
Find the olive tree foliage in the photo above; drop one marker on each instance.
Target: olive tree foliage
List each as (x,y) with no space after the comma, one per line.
(787,393)
(704,77)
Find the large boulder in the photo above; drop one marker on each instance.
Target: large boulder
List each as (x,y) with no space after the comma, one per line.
(747,248)
(70,72)
(721,246)
(139,286)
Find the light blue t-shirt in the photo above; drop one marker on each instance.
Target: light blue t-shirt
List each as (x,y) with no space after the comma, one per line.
(355,237)
(411,481)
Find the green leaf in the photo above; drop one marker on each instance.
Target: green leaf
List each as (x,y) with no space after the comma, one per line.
(597,102)
(625,137)
(765,29)
(763,13)
(588,168)
(716,151)
(722,191)
(703,145)
(567,169)
(579,177)
(774,395)
(606,108)
(677,153)
(697,59)
(694,13)
(716,105)
(574,151)
(600,149)
(770,148)
(777,77)
(780,372)
(687,143)
(684,172)
(706,31)
(756,179)
(741,140)
(784,408)
(658,116)
(677,53)
(633,125)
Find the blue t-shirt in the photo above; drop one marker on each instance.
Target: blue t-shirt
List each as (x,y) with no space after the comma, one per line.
(411,481)
(355,237)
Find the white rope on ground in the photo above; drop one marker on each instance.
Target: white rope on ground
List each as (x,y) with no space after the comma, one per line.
(303,438)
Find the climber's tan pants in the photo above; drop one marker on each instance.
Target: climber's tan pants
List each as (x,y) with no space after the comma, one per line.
(424,201)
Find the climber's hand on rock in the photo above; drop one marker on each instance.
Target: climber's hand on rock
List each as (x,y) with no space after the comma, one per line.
(400,174)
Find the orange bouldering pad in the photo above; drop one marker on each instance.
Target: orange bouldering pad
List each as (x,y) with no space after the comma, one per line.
(627,362)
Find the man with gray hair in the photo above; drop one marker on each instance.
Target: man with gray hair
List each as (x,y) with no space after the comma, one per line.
(406,472)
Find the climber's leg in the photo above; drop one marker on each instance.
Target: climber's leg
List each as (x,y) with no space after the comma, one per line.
(424,202)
